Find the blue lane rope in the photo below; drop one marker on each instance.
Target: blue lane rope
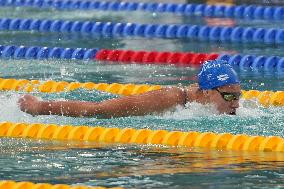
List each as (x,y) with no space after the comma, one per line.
(34,52)
(109,29)
(268,63)
(239,11)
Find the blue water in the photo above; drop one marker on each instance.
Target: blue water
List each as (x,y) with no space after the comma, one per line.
(136,166)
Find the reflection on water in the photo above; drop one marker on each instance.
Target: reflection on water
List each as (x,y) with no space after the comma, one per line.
(111,165)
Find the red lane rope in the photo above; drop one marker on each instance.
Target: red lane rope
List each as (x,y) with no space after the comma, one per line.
(154,57)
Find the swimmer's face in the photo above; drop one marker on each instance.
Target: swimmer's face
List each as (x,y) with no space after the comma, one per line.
(226,98)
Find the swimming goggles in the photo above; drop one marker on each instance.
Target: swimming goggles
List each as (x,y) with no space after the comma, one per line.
(229,96)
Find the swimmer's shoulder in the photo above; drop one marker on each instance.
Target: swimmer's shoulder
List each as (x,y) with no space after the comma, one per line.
(178,92)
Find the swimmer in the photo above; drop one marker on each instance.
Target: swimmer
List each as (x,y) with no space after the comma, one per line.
(218,84)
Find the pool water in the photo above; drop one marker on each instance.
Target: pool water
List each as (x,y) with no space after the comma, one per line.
(138,166)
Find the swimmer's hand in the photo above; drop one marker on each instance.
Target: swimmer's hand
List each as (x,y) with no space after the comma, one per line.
(29,104)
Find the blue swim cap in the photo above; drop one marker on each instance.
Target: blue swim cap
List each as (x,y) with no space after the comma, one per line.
(216,73)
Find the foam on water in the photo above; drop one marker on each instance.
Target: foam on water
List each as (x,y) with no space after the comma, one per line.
(251,108)
(10,111)
(194,109)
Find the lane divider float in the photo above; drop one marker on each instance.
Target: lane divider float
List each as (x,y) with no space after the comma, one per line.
(266,98)
(123,56)
(269,63)
(109,29)
(224,141)
(155,57)
(63,86)
(239,11)
(10,184)
(36,52)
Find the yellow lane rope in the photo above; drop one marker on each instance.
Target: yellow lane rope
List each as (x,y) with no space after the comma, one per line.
(9,184)
(63,86)
(225,141)
(265,98)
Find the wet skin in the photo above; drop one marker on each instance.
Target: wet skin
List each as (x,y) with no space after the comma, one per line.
(135,105)
(223,106)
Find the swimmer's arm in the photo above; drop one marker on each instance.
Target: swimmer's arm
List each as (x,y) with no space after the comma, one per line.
(65,108)
(135,105)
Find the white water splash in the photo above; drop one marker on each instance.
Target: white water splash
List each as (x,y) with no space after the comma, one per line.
(10,111)
(194,110)
(251,108)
